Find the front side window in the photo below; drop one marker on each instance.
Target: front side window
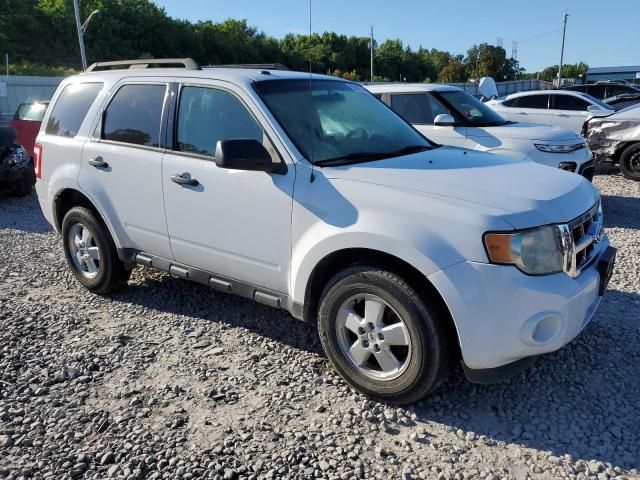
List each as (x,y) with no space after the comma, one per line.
(417,108)
(472,109)
(134,115)
(71,107)
(532,101)
(337,121)
(207,115)
(569,102)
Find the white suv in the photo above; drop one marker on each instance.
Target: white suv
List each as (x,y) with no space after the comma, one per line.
(308,194)
(450,116)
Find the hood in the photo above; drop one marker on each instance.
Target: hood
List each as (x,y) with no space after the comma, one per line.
(529,194)
(530,131)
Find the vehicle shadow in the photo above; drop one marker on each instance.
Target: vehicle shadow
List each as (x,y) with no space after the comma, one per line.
(166,294)
(621,212)
(22,214)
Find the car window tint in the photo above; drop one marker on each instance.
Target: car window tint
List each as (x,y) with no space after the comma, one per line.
(33,112)
(207,115)
(613,90)
(533,101)
(134,115)
(569,102)
(597,91)
(71,107)
(417,108)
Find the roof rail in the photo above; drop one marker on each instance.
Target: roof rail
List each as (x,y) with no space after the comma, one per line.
(256,66)
(187,63)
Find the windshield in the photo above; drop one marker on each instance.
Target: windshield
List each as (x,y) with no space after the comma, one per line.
(476,112)
(31,111)
(597,101)
(331,120)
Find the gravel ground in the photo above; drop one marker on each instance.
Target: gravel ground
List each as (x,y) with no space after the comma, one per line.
(169,379)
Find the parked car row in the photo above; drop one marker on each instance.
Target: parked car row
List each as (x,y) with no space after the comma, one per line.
(305,192)
(612,134)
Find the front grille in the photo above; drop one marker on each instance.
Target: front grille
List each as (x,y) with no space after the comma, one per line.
(585,233)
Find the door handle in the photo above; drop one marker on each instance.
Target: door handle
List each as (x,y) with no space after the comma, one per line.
(522,113)
(98,162)
(564,115)
(181,180)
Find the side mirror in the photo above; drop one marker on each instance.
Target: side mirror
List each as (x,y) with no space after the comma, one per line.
(444,120)
(244,154)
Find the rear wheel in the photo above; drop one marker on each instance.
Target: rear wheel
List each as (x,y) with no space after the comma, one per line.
(382,338)
(91,252)
(630,162)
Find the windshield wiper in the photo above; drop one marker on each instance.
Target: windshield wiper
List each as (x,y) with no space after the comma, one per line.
(359,157)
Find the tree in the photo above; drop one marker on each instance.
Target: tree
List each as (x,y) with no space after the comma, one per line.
(454,72)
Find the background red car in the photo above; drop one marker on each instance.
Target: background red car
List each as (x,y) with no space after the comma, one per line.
(26,122)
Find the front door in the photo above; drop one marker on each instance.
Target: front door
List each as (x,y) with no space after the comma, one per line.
(233,223)
(569,111)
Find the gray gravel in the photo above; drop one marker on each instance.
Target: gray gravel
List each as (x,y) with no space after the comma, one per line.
(169,379)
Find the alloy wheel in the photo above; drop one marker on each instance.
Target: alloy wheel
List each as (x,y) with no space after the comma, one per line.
(84,250)
(373,337)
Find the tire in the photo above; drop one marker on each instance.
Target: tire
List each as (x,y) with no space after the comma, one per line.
(422,364)
(100,270)
(630,162)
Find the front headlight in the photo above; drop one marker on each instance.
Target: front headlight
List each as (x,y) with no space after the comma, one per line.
(536,252)
(543,147)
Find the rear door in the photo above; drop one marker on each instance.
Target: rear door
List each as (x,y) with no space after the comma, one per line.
(122,163)
(420,109)
(530,108)
(569,111)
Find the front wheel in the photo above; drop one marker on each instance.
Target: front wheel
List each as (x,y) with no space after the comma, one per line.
(91,252)
(630,162)
(381,337)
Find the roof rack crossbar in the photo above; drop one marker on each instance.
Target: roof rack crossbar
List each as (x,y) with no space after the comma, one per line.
(257,66)
(188,63)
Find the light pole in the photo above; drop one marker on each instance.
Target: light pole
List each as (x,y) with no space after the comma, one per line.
(81,29)
(371,51)
(564,31)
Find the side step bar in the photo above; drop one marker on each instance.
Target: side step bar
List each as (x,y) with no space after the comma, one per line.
(223,284)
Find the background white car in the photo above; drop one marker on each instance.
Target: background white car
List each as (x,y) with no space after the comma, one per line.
(562,108)
(450,116)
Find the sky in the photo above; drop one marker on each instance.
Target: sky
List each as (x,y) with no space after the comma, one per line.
(596,34)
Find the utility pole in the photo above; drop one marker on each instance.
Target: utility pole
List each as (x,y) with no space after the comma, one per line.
(564,32)
(80,35)
(371,49)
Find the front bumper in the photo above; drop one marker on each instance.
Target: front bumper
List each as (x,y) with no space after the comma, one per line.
(503,316)
(578,161)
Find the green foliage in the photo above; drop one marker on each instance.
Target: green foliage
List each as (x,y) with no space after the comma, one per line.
(549,74)
(40,36)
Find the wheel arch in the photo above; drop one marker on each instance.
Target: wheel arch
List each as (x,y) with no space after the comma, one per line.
(69,198)
(340,260)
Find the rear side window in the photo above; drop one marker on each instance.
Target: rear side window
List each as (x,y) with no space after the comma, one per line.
(532,101)
(134,115)
(569,102)
(417,108)
(71,107)
(32,112)
(207,115)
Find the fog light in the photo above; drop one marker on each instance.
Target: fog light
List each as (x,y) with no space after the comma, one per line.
(568,166)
